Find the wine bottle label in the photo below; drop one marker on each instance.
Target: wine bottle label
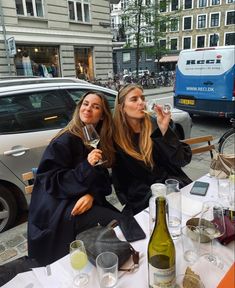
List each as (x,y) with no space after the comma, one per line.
(161,278)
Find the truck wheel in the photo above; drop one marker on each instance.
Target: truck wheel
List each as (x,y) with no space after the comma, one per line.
(8,209)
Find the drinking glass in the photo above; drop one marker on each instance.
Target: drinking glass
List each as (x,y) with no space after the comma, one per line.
(224,191)
(107,269)
(158,189)
(92,138)
(78,260)
(212,225)
(174,212)
(191,241)
(150,103)
(232,189)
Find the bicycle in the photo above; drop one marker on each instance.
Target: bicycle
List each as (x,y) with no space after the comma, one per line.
(227,141)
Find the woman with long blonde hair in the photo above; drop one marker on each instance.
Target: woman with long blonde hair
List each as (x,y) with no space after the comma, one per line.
(148,150)
(69,191)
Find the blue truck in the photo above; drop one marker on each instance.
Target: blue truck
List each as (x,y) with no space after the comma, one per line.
(205,81)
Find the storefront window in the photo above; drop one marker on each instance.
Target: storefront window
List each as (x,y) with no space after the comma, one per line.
(84,63)
(40,61)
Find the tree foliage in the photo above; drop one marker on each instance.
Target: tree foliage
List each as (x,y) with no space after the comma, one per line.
(142,20)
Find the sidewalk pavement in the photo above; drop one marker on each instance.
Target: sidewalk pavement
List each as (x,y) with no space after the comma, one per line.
(13,242)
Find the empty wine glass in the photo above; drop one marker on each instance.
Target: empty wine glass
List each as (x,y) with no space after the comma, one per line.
(92,138)
(150,103)
(78,260)
(212,225)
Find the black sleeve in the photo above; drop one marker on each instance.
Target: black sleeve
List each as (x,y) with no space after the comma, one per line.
(64,172)
(170,148)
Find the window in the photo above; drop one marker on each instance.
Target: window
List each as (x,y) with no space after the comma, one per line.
(29,8)
(174,5)
(200,41)
(187,43)
(230,38)
(188,4)
(187,23)
(201,21)
(124,4)
(173,44)
(43,61)
(230,17)
(162,6)
(174,25)
(149,37)
(202,3)
(215,20)
(215,2)
(162,27)
(213,40)
(230,1)
(79,10)
(35,111)
(162,43)
(126,57)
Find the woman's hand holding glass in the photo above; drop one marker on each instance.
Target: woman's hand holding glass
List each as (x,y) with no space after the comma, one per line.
(92,139)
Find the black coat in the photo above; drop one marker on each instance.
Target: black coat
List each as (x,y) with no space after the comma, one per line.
(132,178)
(63,176)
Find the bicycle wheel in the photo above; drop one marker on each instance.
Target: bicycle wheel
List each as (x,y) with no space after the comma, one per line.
(227,144)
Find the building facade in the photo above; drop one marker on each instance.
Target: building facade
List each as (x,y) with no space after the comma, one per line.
(191,24)
(47,38)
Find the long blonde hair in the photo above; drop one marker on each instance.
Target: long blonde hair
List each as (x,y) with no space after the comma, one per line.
(104,127)
(123,133)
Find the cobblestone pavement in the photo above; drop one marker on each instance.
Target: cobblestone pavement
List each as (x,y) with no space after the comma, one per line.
(13,243)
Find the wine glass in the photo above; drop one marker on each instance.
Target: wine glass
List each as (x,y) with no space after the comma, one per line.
(78,260)
(212,225)
(150,103)
(92,138)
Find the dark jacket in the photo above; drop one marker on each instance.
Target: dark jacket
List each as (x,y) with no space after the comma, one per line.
(63,176)
(132,178)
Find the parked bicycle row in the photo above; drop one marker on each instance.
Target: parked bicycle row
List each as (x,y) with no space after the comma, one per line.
(163,79)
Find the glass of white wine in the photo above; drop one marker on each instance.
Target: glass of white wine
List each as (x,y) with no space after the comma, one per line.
(92,138)
(212,225)
(79,260)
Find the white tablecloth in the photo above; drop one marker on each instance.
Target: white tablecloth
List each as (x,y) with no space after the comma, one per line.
(62,272)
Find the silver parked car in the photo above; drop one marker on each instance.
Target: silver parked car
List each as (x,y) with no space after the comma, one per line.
(32,110)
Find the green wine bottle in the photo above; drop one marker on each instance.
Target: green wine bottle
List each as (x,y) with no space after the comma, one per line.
(161,251)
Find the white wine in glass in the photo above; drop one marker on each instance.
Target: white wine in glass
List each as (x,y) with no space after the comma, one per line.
(92,138)
(212,225)
(79,260)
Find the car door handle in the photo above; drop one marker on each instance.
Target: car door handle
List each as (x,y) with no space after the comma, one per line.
(16,151)
(208,83)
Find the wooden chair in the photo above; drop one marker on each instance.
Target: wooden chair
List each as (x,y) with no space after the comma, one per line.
(29,177)
(193,142)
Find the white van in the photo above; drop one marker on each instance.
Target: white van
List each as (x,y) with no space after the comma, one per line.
(205,81)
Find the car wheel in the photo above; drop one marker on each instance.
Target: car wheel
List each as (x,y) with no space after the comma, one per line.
(8,209)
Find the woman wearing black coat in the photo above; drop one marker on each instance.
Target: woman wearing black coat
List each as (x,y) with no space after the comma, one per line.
(148,150)
(69,190)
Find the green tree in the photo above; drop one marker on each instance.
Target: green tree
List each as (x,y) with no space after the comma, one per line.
(142,20)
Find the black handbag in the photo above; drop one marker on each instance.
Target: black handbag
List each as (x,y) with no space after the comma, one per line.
(100,239)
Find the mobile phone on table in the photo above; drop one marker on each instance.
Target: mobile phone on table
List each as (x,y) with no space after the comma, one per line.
(199,188)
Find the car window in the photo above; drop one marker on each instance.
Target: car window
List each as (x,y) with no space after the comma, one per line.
(76,94)
(35,111)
